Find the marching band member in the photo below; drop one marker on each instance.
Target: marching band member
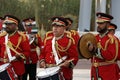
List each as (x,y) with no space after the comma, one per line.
(14,48)
(74,33)
(1,23)
(35,41)
(112,28)
(59,49)
(104,63)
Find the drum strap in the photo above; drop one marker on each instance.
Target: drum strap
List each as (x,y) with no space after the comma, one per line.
(8,50)
(54,51)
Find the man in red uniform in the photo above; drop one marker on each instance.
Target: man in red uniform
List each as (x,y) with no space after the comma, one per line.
(59,49)
(1,22)
(35,42)
(74,33)
(104,63)
(112,28)
(14,48)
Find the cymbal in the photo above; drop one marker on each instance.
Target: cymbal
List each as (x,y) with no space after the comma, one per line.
(83,45)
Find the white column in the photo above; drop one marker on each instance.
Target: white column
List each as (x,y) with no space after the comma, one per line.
(103,5)
(85,15)
(100,6)
(115,12)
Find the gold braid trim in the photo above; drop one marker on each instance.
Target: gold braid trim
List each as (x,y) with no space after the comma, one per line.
(3,33)
(37,35)
(111,40)
(23,35)
(69,35)
(101,47)
(63,49)
(47,38)
(73,32)
(17,47)
(117,47)
(48,33)
(19,41)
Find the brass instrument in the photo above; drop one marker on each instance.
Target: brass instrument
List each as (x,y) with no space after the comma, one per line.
(83,45)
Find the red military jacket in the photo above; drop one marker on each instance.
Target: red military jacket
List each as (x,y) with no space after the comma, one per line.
(33,58)
(107,68)
(65,48)
(21,44)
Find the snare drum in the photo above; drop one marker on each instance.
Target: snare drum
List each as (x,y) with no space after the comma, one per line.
(7,72)
(3,67)
(49,74)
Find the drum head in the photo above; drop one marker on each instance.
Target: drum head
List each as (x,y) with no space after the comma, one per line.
(46,72)
(83,45)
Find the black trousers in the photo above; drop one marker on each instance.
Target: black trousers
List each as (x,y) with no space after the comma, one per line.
(4,75)
(30,70)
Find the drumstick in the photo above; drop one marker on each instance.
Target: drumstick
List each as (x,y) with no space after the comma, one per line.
(67,61)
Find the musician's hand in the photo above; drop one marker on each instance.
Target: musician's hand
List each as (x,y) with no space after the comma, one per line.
(5,60)
(42,64)
(65,64)
(91,47)
(18,57)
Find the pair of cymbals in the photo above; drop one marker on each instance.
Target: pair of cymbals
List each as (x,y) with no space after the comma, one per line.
(83,45)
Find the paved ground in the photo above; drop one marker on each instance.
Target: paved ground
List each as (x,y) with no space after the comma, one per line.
(82,70)
(81,74)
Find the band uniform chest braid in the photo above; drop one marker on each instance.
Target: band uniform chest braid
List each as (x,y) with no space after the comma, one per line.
(63,49)
(17,46)
(101,47)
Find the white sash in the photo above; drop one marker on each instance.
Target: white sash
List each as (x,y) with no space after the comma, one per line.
(54,51)
(58,61)
(8,50)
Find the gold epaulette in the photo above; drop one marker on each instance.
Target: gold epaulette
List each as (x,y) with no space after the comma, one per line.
(69,35)
(47,37)
(112,38)
(23,35)
(73,32)
(3,33)
(37,35)
(49,32)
